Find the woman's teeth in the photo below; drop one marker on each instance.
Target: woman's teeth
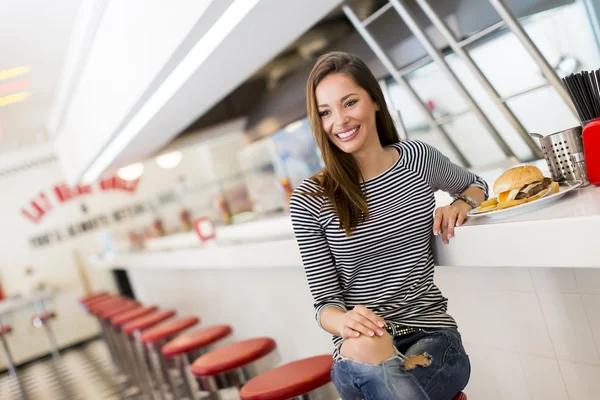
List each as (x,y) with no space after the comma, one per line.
(344,135)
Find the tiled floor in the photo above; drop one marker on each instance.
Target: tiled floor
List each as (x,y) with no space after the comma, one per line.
(86,371)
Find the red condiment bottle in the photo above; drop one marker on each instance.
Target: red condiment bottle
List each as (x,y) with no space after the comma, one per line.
(591,149)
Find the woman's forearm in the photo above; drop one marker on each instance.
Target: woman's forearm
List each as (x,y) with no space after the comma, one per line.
(475,193)
(332,320)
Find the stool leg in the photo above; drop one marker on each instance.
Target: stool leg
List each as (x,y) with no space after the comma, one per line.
(188,384)
(146,366)
(11,368)
(165,367)
(56,358)
(160,373)
(135,365)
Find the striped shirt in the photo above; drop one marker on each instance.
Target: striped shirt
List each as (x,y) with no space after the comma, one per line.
(386,264)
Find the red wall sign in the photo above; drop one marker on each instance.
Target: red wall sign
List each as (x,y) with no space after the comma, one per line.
(40,205)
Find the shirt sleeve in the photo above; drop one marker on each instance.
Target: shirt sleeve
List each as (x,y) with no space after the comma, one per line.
(443,174)
(319,264)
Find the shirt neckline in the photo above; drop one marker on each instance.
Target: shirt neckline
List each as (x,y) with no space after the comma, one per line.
(392,167)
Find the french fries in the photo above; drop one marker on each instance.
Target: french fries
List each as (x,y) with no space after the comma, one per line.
(488,204)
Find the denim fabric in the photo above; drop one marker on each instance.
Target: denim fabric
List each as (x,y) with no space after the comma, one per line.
(445,377)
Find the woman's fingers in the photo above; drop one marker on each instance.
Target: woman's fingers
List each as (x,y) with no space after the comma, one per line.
(451,222)
(437,221)
(370,315)
(372,329)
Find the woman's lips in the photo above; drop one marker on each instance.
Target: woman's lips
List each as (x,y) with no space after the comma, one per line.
(348,134)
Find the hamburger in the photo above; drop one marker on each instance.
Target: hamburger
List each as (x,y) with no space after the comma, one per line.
(522,185)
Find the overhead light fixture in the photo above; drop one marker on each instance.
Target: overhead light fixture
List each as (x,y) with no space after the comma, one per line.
(11,73)
(169,87)
(13,98)
(169,160)
(131,172)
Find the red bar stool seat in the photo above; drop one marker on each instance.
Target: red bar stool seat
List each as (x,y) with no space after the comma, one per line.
(5,330)
(92,296)
(110,312)
(168,329)
(194,341)
(234,365)
(298,378)
(145,322)
(97,307)
(124,317)
(154,339)
(190,346)
(460,396)
(88,303)
(38,319)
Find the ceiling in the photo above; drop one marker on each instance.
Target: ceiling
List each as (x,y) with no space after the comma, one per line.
(146,76)
(34,36)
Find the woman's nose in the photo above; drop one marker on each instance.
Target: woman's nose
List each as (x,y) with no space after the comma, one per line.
(340,118)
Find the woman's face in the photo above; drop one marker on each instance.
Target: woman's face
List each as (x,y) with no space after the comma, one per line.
(347,113)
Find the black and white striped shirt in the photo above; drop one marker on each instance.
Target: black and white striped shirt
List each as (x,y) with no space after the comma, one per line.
(387,262)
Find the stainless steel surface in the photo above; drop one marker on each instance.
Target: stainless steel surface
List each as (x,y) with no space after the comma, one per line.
(537,135)
(11,367)
(489,88)
(401,80)
(420,34)
(558,148)
(376,14)
(449,118)
(515,26)
(481,34)
(56,358)
(524,91)
(578,161)
(471,39)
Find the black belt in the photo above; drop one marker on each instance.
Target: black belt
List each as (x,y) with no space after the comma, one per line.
(400,330)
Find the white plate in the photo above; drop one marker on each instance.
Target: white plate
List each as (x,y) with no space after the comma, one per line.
(565,187)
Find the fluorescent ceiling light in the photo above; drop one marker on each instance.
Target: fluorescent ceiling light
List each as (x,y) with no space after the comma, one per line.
(169,160)
(180,75)
(131,172)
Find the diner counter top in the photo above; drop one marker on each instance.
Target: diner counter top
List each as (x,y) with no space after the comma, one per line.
(560,234)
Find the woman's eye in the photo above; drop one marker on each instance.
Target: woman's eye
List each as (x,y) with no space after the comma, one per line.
(351,103)
(323,113)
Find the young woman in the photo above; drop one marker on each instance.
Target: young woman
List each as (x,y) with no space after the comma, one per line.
(364,227)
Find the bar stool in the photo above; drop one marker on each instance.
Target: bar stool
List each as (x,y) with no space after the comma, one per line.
(154,339)
(303,380)
(136,363)
(133,329)
(42,320)
(92,296)
(232,366)
(101,307)
(191,346)
(5,330)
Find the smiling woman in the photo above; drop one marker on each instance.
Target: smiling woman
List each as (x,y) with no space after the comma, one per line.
(364,226)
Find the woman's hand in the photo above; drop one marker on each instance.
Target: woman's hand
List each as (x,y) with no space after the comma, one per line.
(446,218)
(362,321)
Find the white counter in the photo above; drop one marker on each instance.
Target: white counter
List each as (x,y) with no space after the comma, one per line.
(562,234)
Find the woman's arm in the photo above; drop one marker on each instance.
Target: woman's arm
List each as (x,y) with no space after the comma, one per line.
(321,274)
(443,174)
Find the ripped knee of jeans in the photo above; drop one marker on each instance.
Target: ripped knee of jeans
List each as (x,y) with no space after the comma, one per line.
(422,360)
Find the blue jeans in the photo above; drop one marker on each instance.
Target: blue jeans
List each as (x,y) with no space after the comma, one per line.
(443,379)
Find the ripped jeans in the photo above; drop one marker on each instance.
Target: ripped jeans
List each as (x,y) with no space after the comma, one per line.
(446,375)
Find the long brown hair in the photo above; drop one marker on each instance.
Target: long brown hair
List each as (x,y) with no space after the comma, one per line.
(341,178)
